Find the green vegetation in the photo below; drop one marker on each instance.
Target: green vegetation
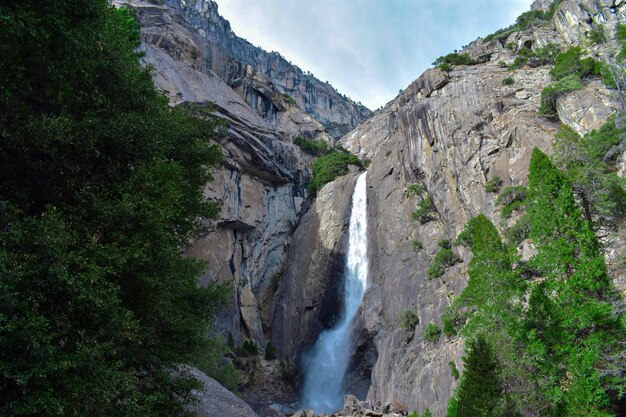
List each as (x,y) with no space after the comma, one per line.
(417,245)
(414,190)
(523,22)
(432,332)
(275,280)
(508,81)
(597,35)
(289,99)
(589,165)
(519,231)
(541,56)
(480,392)
(620,35)
(558,353)
(408,320)
(100,191)
(448,61)
(493,185)
(570,63)
(425,211)
(550,94)
(270,351)
(569,71)
(448,327)
(311,146)
(512,199)
(445,258)
(330,166)
(249,348)
(453,370)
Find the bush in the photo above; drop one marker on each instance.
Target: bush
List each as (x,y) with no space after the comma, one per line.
(569,63)
(525,21)
(549,95)
(249,348)
(228,376)
(424,211)
(589,164)
(453,370)
(508,81)
(408,320)
(444,259)
(415,189)
(417,245)
(432,332)
(270,351)
(597,35)
(448,61)
(312,147)
(493,185)
(444,243)
(541,56)
(512,199)
(512,194)
(448,327)
(289,99)
(328,167)
(519,231)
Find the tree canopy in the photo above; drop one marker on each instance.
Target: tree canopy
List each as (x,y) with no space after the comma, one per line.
(100,190)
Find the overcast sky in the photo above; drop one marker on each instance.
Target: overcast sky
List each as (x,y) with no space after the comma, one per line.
(367,49)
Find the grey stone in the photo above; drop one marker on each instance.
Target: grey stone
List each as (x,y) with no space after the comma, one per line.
(213,400)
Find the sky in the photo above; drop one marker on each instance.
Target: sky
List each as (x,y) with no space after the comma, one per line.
(367,49)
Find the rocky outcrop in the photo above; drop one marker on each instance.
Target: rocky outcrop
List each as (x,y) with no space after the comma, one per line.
(244,67)
(213,400)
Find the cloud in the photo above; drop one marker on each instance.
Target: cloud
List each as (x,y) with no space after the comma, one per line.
(367,49)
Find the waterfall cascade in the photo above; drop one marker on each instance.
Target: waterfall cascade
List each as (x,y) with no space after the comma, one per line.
(327,362)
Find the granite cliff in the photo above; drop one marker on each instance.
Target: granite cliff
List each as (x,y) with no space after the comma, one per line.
(450,132)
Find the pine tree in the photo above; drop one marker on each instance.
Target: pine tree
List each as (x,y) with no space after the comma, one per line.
(480,391)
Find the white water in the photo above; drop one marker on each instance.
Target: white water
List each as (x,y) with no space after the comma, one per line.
(327,362)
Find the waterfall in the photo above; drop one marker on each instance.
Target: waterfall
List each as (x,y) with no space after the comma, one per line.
(326,363)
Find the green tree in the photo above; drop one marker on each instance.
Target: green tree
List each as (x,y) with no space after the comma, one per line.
(100,190)
(480,391)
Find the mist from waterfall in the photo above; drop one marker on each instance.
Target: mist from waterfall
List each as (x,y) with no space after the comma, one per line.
(327,362)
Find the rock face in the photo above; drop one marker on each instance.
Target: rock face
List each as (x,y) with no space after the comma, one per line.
(310,291)
(197,59)
(214,400)
(449,133)
(452,133)
(244,67)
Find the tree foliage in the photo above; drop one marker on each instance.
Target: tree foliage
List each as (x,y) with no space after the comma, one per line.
(100,190)
(560,352)
(330,166)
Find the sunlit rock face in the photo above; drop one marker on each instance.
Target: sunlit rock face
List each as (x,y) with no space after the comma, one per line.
(452,133)
(250,71)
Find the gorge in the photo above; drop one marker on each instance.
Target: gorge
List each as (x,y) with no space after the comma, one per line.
(458,252)
(434,148)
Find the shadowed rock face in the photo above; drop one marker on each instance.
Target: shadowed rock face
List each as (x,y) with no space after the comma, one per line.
(310,292)
(243,66)
(212,399)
